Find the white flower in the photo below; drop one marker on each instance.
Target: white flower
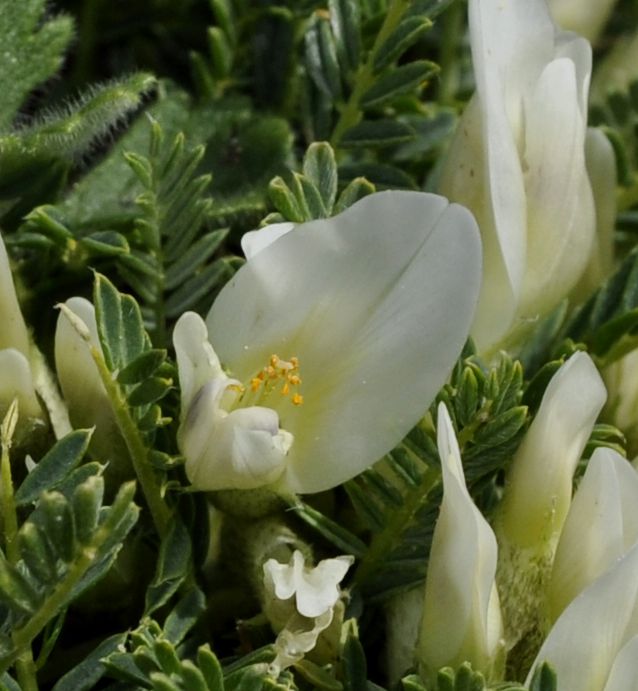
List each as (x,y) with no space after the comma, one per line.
(300,602)
(16,376)
(583,17)
(336,337)
(518,163)
(601,526)
(461,612)
(538,486)
(82,388)
(601,168)
(594,644)
(538,490)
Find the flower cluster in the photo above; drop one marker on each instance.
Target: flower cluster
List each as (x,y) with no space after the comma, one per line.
(335,344)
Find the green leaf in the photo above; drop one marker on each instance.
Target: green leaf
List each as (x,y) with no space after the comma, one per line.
(107,243)
(380,175)
(87,501)
(332,531)
(374,133)
(149,391)
(355,670)
(172,567)
(320,167)
(119,325)
(544,679)
(142,367)
(345,22)
(15,590)
(356,189)
(184,616)
(85,676)
(201,251)
(398,80)
(610,314)
(54,467)
(409,31)
(285,201)
(32,51)
(321,57)
(210,668)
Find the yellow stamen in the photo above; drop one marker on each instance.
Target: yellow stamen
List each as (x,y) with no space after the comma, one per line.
(297,399)
(285,389)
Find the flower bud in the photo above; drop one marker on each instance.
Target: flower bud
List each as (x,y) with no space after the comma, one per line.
(538,490)
(601,526)
(518,163)
(301,602)
(461,614)
(593,645)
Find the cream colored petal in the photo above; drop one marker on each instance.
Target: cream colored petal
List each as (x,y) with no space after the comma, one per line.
(582,16)
(461,571)
(583,644)
(77,372)
(318,590)
(254,241)
(561,214)
(14,331)
(197,362)
(371,303)
(16,381)
(624,673)
(539,483)
(240,450)
(601,526)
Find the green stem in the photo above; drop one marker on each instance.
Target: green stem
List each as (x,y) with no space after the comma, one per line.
(351,113)
(383,542)
(25,666)
(23,636)
(160,513)
(452,21)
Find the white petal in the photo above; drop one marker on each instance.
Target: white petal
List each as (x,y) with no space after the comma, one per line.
(77,372)
(319,590)
(584,642)
(14,331)
(240,450)
(601,526)
(561,214)
(601,169)
(462,567)
(254,241)
(376,303)
(16,381)
(539,483)
(624,673)
(284,577)
(197,362)
(582,17)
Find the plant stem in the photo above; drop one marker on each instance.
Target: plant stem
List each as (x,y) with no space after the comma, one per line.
(383,542)
(448,58)
(23,636)
(351,113)
(159,511)
(25,667)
